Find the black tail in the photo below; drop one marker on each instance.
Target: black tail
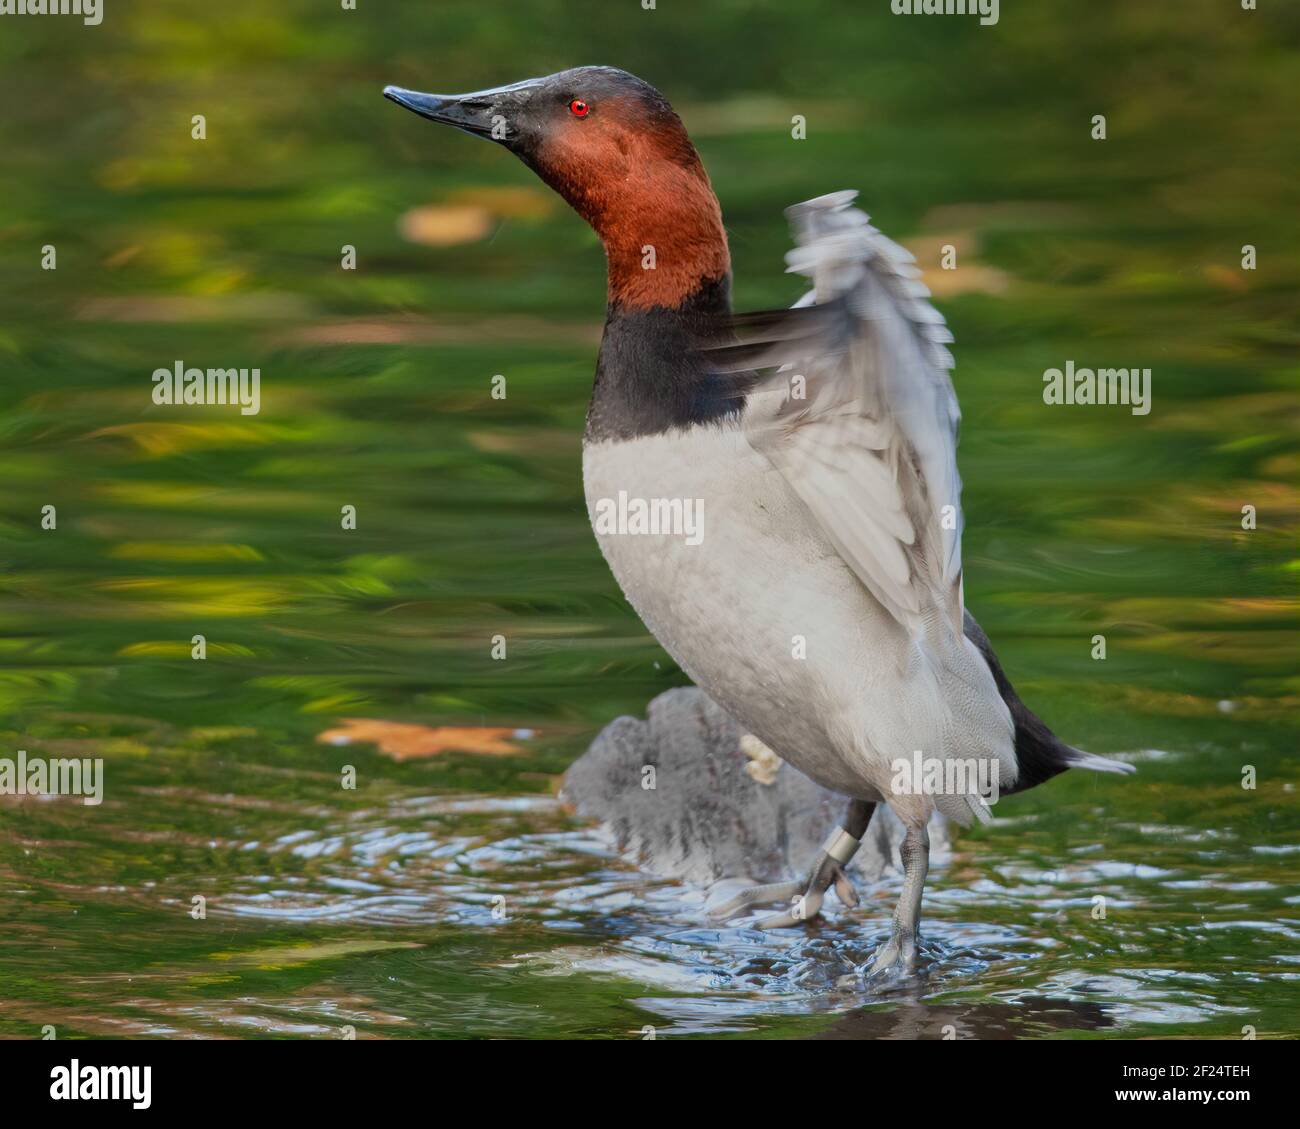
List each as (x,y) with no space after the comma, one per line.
(1039,752)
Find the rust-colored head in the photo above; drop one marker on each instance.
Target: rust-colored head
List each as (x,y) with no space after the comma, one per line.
(613,147)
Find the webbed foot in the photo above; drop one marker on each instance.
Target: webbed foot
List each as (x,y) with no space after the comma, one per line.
(805,897)
(897,956)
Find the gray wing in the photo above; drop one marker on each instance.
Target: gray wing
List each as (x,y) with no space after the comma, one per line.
(860,416)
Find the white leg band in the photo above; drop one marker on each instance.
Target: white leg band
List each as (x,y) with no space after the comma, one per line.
(841,846)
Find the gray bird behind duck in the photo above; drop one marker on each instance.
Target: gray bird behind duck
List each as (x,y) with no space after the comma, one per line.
(823,605)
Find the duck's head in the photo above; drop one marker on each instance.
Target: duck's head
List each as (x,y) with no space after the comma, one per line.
(614,148)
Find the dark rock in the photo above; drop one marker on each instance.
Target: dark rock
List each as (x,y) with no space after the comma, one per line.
(706,818)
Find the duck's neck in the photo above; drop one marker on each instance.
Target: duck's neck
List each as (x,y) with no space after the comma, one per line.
(652,205)
(665,245)
(669,283)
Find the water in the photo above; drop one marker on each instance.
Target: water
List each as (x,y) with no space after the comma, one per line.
(377,908)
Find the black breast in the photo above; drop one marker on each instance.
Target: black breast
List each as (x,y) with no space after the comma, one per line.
(649,377)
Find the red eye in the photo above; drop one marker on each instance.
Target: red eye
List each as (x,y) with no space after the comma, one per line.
(579,108)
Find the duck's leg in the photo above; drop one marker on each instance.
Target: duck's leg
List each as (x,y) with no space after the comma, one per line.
(806,897)
(899,952)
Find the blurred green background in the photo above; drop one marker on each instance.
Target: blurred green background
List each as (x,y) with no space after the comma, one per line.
(370,907)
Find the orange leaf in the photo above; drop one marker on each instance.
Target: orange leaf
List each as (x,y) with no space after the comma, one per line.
(405,741)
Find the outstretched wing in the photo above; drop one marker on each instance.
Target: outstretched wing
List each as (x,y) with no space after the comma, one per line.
(860,416)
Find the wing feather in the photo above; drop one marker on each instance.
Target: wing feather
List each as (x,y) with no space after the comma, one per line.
(859,415)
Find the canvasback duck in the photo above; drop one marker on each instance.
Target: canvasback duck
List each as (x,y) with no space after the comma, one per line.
(817,593)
